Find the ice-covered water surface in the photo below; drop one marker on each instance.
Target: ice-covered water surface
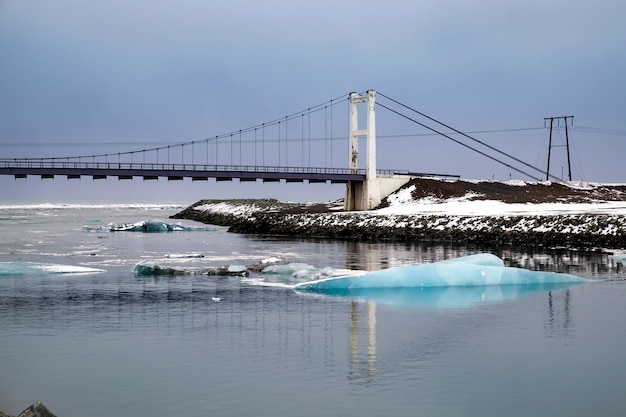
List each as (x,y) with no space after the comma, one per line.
(117,341)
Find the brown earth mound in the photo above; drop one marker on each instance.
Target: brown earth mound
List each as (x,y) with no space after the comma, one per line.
(509,193)
(490,190)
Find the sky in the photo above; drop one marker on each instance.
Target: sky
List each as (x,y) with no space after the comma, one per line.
(78,78)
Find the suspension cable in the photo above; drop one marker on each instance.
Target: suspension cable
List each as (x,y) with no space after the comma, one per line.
(467,136)
(459,142)
(226,136)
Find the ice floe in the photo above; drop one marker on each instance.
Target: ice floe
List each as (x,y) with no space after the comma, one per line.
(35,268)
(148,226)
(150,268)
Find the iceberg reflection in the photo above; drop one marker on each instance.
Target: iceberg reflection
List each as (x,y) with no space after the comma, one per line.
(446,297)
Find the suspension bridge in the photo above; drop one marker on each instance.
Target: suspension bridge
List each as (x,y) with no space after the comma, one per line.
(285,149)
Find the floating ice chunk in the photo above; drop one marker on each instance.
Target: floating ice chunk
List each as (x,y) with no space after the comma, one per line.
(183,255)
(288,269)
(271,260)
(322,273)
(618,258)
(34,268)
(150,268)
(147,226)
(147,268)
(230,270)
(477,270)
(299,271)
(236,269)
(260,266)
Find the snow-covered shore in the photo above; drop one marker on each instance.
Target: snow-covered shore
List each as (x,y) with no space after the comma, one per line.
(550,216)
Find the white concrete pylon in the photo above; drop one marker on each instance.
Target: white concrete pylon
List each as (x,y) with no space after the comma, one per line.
(369,196)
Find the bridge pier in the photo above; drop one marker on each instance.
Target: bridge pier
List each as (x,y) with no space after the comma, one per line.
(359,197)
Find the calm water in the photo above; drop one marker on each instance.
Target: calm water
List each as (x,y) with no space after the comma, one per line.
(115,344)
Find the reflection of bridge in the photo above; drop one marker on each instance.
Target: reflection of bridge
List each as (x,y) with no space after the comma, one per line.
(285,149)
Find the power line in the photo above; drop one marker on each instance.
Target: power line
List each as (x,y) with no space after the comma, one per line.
(585,129)
(411,135)
(165,143)
(599,130)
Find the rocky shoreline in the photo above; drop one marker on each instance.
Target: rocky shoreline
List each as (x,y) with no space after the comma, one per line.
(591,230)
(574,231)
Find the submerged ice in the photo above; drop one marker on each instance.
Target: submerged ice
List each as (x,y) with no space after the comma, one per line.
(147,226)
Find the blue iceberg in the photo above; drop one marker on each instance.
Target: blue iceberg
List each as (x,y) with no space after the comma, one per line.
(468,271)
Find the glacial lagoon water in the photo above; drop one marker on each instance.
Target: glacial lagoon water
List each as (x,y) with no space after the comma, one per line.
(113,343)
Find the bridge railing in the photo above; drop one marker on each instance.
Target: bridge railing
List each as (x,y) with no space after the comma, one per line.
(52,167)
(83,165)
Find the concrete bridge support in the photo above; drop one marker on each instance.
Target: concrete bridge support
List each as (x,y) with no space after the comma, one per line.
(369,194)
(359,197)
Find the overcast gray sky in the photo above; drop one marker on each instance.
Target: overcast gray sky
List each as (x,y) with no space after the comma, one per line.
(152,72)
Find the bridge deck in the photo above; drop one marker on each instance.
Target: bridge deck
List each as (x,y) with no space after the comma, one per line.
(102,170)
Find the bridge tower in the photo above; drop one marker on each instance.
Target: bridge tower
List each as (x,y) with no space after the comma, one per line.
(363,195)
(368,194)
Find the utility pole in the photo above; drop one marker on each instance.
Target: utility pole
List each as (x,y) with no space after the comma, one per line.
(569,165)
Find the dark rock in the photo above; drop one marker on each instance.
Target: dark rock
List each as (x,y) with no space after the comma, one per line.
(36,410)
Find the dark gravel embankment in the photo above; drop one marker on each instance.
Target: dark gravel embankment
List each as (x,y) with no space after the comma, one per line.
(587,231)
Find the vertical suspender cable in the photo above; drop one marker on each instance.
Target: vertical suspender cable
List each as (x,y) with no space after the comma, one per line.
(325,137)
(331,133)
(279,143)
